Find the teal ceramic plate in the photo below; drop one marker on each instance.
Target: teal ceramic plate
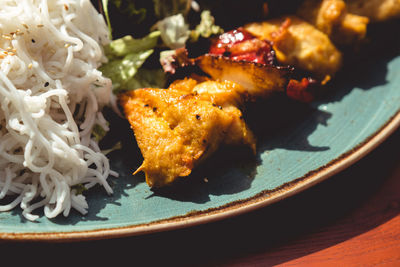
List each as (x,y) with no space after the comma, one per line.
(299,146)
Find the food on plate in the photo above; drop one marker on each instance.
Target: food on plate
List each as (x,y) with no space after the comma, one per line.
(51,99)
(241,57)
(179,127)
(299,44)
(333,18)
(258,80)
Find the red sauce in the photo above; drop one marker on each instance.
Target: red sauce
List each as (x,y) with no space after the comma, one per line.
(239,44)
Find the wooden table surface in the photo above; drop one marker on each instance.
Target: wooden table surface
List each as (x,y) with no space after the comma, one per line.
(351,219)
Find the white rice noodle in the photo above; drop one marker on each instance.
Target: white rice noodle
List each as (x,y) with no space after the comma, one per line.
(51,95)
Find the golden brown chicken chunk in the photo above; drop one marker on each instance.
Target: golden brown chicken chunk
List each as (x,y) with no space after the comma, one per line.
(333,18)
(376,10)
(177,128)
(299,44)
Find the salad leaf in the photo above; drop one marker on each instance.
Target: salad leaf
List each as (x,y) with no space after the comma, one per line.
(166,8)
(147,78)
(167,60)
(174,31)
(128,45)
(171,60)
(206,27)
(126,56)
(98,132)
(121,71)
(104,3)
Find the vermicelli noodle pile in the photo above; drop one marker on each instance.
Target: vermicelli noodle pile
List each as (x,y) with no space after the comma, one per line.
(51,97)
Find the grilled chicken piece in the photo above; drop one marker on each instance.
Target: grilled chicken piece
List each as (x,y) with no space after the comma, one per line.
(300,44)
(178,127)
(333,18)
(241,57)
(375,10)
(258,80)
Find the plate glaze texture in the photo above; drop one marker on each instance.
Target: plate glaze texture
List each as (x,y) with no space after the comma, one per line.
(298,146)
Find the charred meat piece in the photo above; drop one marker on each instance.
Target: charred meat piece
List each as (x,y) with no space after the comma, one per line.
(251,62)
(240,57)
(258,80)
(179,127)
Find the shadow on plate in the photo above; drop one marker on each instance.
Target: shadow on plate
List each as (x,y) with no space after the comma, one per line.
(232,169)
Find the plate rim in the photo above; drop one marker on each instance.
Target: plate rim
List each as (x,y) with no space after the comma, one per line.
(228,210)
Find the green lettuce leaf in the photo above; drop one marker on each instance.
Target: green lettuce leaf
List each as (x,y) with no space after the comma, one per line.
(206,27)
(147,78)
(174,31)
(128,45)
(121,71)
(125,57)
